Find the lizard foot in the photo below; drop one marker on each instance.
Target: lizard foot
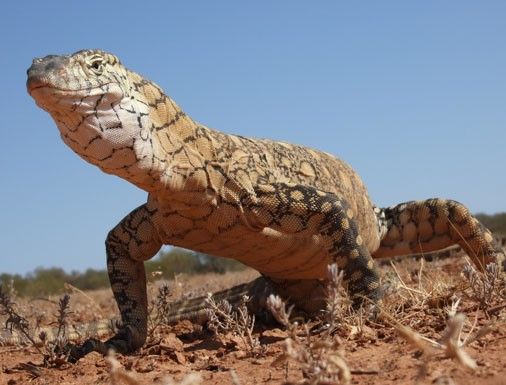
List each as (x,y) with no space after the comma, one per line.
(127,340)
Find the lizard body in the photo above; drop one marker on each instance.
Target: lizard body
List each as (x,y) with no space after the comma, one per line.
(285,210)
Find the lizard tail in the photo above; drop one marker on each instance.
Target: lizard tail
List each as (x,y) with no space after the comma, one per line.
(45,334)
(196,309)
(420,227)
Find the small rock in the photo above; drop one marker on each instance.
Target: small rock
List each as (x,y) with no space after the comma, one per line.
(178,357)
(240,354)
(144,367)
(274,333)
(171,343)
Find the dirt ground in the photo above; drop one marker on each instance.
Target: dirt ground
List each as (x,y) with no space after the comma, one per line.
(374,352)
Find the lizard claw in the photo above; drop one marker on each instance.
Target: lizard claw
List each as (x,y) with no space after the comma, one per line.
(127,340)
(79,351)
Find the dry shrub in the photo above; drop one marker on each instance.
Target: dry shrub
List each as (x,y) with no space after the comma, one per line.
(159,310)
(54,342)
(224,318)
(487,288)
(320,357)
(15,321)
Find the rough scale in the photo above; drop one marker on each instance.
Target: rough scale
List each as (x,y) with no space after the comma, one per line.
(285,210)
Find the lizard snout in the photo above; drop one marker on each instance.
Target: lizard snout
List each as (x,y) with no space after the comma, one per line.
(46,71)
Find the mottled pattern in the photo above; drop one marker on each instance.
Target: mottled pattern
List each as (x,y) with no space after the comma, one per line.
(285,210)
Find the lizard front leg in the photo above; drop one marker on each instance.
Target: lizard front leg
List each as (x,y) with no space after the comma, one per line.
(128,245)
(299,209)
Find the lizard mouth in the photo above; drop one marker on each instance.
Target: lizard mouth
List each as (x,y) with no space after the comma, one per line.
(47,95)
(33,84)
(37,84)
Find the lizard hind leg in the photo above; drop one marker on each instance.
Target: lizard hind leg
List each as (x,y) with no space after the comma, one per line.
(307,211)
(417,227)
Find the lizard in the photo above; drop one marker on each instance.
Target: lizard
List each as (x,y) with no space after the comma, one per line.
(285,210)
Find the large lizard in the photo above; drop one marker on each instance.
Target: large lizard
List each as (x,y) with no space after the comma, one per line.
(286,210)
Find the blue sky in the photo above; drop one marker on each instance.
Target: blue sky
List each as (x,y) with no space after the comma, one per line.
(412,94)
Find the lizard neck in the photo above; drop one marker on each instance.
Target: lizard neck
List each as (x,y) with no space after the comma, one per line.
(177,144)
(132,130)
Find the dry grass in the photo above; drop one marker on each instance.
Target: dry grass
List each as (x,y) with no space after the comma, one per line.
(437,295)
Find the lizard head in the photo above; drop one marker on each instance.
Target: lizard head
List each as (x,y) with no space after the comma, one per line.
(96,104)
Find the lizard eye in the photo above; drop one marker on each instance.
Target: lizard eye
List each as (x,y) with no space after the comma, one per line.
(96,65)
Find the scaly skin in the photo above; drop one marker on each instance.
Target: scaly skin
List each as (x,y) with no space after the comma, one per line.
(285,210)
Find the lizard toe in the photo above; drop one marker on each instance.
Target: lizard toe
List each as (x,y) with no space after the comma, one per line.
(126,341)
